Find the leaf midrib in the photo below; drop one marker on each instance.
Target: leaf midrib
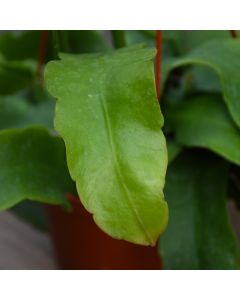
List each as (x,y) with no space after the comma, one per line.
(117,167)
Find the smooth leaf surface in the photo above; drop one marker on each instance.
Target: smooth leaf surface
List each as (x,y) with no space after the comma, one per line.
(32,212)
(173,150)
(16,112)
(33,166)
(20,45)
(203,79)
(191,39)
(78,41)
(139,36)
(224,58)
(86,41)
(204,121)
(15,76)
(180,42)
(199,235)
(108,115)
(148,38)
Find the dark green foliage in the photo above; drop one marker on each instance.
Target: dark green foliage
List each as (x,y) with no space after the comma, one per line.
(107,112)
(203,121)
(33,167)
(199,235)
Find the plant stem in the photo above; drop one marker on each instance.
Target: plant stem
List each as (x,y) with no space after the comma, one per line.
(233,33)
(56,43)
(118,37)
(64,40)
(41,54)
(60,41)
(158,62)
(72,198)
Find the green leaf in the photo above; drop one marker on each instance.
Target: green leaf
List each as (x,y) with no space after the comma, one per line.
(173,150)
(191,39)
(12,110)
(224,58)
(202,79)
(85,41)
(20,45)
(81,41)
(148,38)
(118,38)
(33,166)
(16,112)
(199,235)
(203,121)
(32,212)
(108,115)
(15,76)
(180,42)
(139,36)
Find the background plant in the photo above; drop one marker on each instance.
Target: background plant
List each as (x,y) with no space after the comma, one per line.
(200,89)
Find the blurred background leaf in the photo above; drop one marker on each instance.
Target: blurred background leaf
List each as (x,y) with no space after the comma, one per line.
(20,45)
(203,121)
(16,112)
(33,166)
(199,235)
(33,213)
(223,57)
(15,75)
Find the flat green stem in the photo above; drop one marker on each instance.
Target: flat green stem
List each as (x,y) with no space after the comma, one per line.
(56,43)
(60,41)
(118,37)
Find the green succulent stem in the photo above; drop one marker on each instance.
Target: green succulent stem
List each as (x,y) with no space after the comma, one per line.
(119,39)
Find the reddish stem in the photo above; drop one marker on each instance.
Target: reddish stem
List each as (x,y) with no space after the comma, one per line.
(233,33)
(41,53)
(158,61)
(72,198)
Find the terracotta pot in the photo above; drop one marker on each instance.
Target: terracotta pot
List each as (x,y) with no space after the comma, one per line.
(81,245)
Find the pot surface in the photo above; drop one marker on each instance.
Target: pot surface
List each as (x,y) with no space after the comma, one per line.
(81,245)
